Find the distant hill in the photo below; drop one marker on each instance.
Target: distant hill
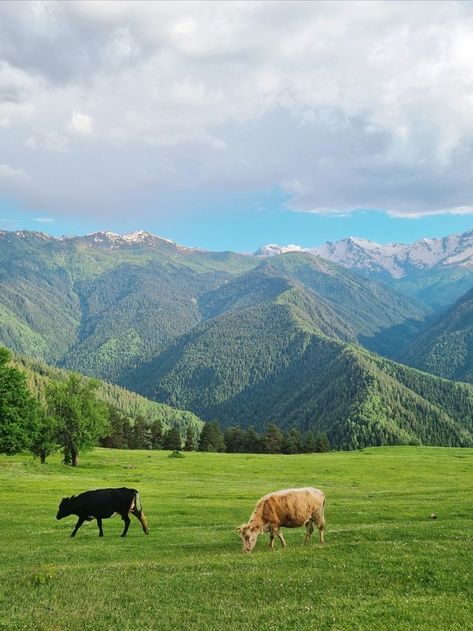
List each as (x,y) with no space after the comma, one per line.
(446,347)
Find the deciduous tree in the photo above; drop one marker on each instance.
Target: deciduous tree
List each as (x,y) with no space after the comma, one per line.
(81,418)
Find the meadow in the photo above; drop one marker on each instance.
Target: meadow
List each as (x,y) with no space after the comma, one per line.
(385,565)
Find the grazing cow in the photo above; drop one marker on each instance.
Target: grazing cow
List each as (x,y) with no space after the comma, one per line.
(290,508)
(101,504)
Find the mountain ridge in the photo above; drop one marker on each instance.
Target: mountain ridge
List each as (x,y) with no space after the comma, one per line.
(434,271)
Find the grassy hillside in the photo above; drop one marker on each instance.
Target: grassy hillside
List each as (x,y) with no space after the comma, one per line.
(446,347)
(385,564)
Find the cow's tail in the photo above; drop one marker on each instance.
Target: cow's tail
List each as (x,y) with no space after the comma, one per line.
(138,511)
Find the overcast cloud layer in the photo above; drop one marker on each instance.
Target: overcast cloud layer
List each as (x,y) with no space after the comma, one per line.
(117,106)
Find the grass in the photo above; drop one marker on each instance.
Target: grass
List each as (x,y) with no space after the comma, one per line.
(386,564)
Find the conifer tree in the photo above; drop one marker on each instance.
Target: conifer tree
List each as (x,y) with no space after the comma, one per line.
(190,443)
(211,438)
(293,442)
(156,434)
(173,440)
(310,444)
(322,443)
(273,439)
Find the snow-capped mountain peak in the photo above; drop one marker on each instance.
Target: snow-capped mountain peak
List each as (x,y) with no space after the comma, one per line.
(393,259)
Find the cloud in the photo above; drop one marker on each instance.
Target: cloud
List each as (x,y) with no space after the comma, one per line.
(44,219)
(112,106)
(81,124)
(11,174)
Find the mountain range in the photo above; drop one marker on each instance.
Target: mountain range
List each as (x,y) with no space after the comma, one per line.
(245,339)
(435,271)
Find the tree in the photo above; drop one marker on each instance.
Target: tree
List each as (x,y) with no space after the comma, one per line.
(119,430)
(293,442)
(234,439)
(322,443)
(141,434)
(156,434)
(273,439)
(310,444)
(172,439)
(18,409)
(191,442)
(211,438)
(253,441)
(44,442)
(80,417)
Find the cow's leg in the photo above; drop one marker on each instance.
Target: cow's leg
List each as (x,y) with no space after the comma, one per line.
(140,516)
(309,529)
(99,524)
(80,521)
(320,523)
(272,536)
(281,539)
(127,520)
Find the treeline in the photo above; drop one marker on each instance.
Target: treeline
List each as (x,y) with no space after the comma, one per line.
(68,414)
(273,441)
(145,435)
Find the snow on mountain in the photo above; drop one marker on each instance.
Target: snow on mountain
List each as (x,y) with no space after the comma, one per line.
(105,239)
(26,234)
(273,249)
(395,259)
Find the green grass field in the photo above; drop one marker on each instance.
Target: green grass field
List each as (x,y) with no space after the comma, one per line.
(385,565)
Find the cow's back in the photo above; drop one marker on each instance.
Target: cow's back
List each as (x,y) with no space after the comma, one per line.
(292,507)
(105,502)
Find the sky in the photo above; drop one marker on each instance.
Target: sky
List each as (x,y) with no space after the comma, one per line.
(229,125)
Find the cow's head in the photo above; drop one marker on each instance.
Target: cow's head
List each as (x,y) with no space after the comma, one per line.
(65,507)
(248,534)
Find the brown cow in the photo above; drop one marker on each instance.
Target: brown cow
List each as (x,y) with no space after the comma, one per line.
(290,508)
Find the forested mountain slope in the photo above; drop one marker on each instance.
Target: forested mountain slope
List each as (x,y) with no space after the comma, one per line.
(230,337)
(129,404)
(446,347)
(106,305)
(268,363)
(99,304)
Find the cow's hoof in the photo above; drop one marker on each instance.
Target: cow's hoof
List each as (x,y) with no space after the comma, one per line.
(146,532)
(101,534)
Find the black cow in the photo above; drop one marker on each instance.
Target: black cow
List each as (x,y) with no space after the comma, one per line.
(101,504)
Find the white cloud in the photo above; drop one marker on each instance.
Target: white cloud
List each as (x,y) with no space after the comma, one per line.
(12,174)
(81,124)
(44,219)
(341,105)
